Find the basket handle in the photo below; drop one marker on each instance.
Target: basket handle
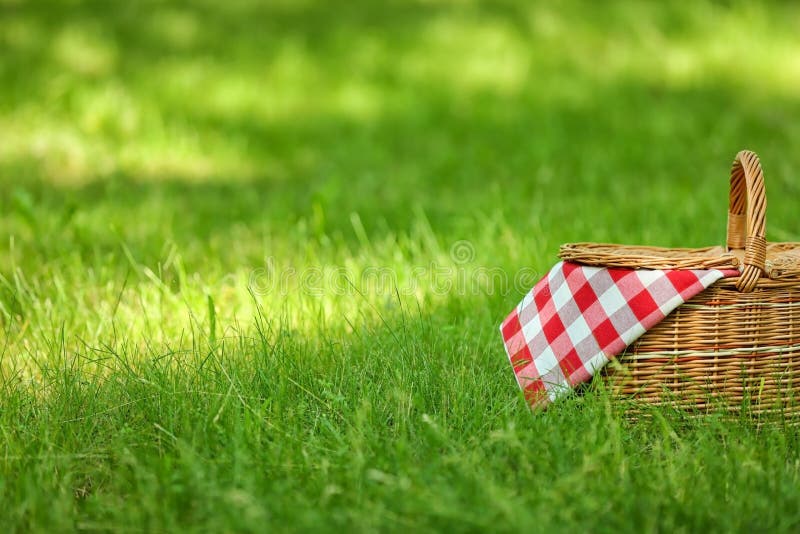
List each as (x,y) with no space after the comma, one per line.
(747,217)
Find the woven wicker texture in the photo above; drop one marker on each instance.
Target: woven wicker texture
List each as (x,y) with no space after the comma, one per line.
(611,255)
(735,345)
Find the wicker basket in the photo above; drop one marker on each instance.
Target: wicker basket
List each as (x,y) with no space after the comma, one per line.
(734,346)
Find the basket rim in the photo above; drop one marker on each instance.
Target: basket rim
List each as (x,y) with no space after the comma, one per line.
(782,258)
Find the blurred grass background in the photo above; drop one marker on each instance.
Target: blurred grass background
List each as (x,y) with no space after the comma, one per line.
(155,154)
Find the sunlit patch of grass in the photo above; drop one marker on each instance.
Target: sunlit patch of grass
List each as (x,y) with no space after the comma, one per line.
(180,28)
(234,288)
(84,50)
(470,56)
(147,117)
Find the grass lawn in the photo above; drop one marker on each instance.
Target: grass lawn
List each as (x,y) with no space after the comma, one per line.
(253,258)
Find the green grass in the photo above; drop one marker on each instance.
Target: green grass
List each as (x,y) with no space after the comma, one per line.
(230,291)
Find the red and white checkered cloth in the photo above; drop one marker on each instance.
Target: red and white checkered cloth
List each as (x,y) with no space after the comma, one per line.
(578,318)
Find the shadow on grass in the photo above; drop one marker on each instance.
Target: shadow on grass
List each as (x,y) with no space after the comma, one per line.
(661,156)
(456,153)
(618,159)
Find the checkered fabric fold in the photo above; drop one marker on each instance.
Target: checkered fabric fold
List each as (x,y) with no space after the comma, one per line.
(578,318)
